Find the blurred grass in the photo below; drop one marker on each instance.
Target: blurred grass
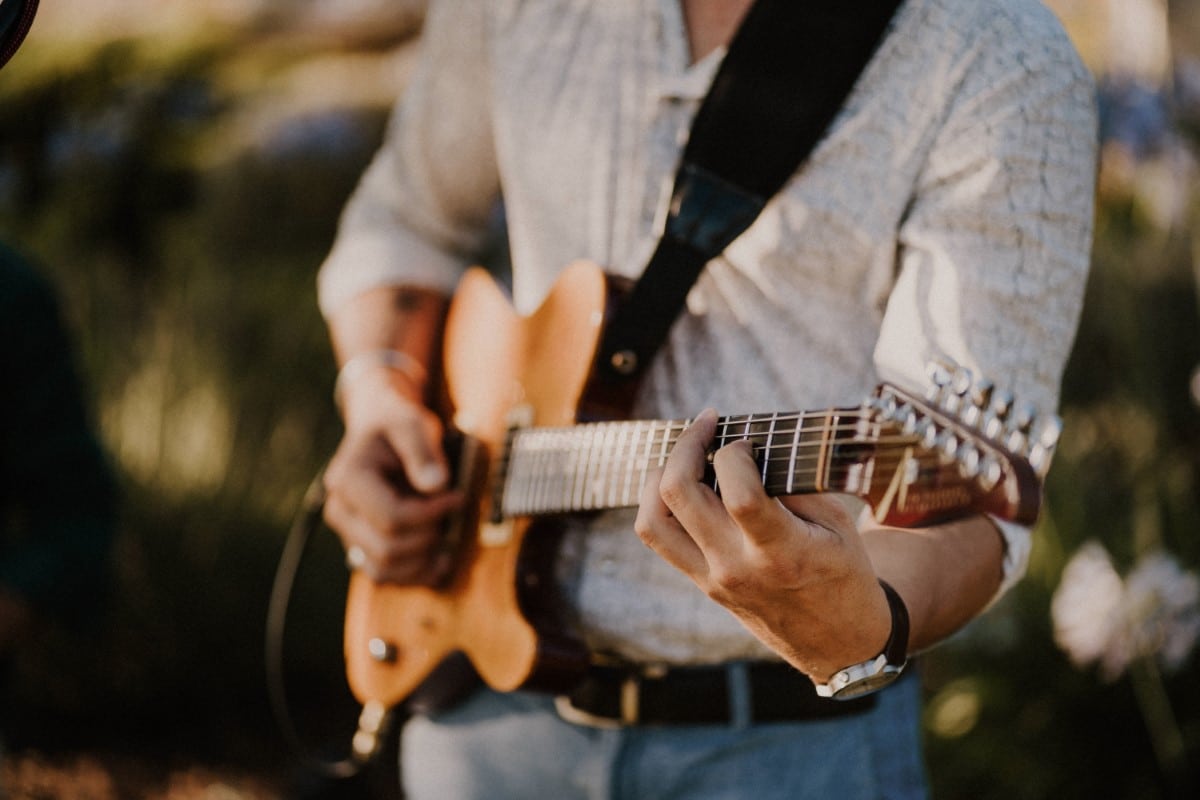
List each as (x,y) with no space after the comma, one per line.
(181,190)
(181,201)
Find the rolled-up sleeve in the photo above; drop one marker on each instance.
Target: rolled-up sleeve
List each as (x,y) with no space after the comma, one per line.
(424,206)
(994,251)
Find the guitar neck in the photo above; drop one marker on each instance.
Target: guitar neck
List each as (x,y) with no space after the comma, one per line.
(603,465)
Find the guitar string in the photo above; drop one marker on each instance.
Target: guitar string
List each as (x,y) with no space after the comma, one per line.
(806,476)
(622,460)
(622,464)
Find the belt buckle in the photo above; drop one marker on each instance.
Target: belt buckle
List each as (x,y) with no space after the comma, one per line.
(629,701)
(577,716)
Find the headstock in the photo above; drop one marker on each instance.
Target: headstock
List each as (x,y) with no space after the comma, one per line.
(966,447)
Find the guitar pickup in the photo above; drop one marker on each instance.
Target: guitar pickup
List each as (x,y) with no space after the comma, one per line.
(467,458)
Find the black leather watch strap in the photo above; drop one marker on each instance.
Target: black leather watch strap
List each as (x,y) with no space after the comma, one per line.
(896,648)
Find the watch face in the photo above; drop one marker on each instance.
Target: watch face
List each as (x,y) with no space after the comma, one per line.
(867,684)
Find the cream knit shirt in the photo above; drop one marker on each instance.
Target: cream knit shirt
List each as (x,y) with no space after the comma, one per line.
(947,213)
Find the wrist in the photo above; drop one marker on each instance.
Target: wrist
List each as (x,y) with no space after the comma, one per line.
(402,372)
(879,670)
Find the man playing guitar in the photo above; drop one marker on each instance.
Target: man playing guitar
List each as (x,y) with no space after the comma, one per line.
(946,215)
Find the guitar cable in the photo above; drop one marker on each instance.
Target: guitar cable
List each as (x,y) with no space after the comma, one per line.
(373,722)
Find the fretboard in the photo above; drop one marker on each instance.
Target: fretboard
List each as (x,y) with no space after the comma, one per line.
(603,465)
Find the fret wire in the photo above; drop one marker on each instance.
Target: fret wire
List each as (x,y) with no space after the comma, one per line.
(566,482)
(662,456)
(537,467)
(794,449)
(545,469)
(610,448)
(649,450)
(767,446)
(599,480)
(616,488)
(538,476)
(592,466)
(577,483)
(601,487)
(550,465)
(571,443)
(558,478)
(631,460)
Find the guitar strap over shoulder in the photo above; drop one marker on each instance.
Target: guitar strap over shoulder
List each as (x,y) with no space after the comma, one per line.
(787,73)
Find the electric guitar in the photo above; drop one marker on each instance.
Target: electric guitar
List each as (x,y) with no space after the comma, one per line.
(515,386)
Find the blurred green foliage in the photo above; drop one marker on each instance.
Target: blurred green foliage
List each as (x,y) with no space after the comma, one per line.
(185,253)
(183,228)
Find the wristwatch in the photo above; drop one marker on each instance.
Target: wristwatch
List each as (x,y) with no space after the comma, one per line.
(871,676)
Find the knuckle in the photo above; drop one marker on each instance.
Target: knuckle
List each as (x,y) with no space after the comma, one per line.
(741,505)
(645,529)
(747,509)
(672,490)
(725,581)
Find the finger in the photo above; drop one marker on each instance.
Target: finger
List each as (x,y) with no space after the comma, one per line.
(363,477)
(761,518)
(657,527)
(417,441)
(398,557)
(695,505)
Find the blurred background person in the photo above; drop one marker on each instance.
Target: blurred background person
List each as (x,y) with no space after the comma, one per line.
(57,497)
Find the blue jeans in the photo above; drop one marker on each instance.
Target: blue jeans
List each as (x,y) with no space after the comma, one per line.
(499,746)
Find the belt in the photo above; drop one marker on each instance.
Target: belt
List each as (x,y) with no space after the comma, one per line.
(736,693)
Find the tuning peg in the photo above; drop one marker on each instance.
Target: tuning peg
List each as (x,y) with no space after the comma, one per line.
(990,473)
(978,397)
(1017,442)
(1002,403)
(1019,423)
(961,381)
(981,393)
(947,447)
(1042,451)
(968,460)
(997,414)
(1050,432)
(929,432)
(1024,416)
(887,407)
(939,372)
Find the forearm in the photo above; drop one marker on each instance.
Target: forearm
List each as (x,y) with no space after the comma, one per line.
(405,319)
(947,573)
(392,317)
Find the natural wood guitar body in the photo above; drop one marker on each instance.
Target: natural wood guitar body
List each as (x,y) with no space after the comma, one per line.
(497,364)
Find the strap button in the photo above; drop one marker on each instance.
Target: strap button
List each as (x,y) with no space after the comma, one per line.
(624,362)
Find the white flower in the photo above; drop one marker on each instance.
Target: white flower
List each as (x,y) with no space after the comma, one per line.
(1084,608)
(1163,603)
(1098,618)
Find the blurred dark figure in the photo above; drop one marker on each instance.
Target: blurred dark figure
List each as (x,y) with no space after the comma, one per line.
(57,494)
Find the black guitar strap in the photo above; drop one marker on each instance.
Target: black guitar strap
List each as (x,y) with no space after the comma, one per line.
(786,74)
